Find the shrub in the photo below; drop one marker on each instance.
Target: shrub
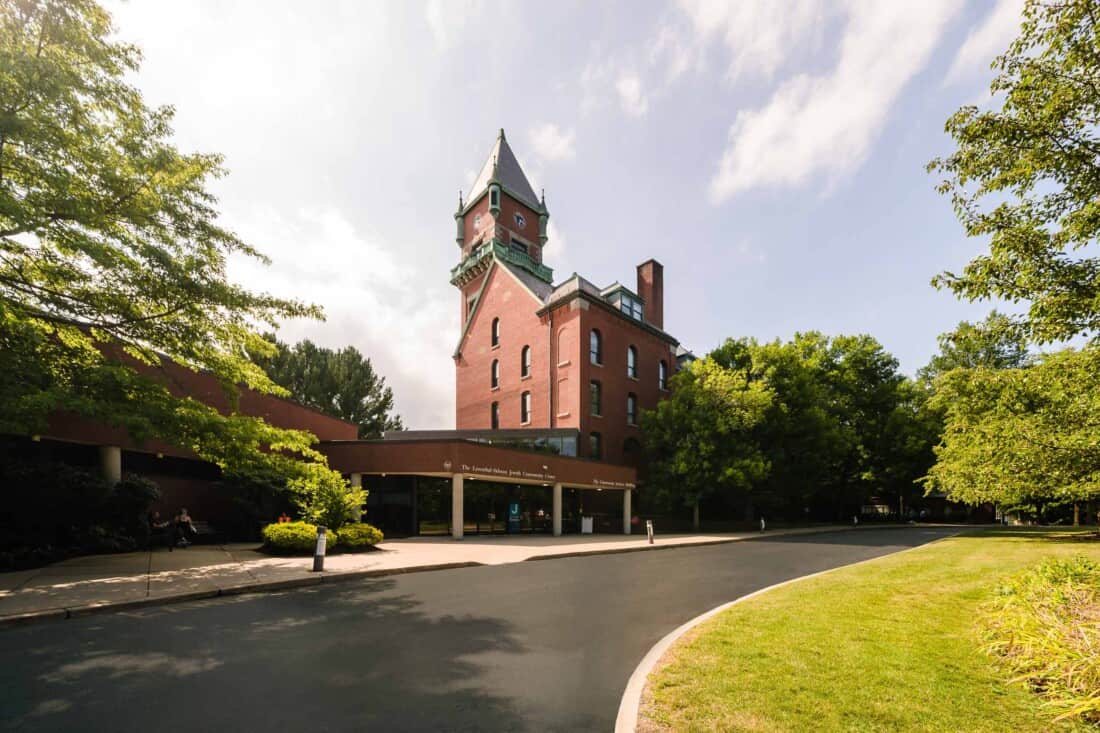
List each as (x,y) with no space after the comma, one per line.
(295,538)
(326,498)
(1044,625)
(355,537)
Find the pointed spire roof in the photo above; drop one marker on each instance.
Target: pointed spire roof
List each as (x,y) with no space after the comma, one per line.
(503,166)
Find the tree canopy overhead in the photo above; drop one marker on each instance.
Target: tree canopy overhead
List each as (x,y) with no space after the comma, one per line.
(1026,175)
(112,258)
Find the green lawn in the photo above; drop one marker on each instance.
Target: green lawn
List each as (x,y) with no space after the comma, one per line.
(890,645)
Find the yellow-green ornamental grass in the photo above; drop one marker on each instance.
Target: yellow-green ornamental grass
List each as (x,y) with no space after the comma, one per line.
(896,644)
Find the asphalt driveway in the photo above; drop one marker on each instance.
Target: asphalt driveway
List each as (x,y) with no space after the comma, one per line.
(533,646)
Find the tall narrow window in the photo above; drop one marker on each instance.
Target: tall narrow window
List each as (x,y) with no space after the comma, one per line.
(525,408)
(595,446)
(631,409)
(494,416)
(594,398)
(632,362)
(525,362)
(494,338)
(595,347)
(662,375)
(494,374)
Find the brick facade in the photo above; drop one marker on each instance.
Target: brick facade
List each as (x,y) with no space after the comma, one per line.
(556,324)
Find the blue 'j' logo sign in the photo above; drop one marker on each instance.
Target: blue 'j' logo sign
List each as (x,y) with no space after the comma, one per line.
(513,516)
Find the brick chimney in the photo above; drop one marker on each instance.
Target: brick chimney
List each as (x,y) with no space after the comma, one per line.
(651,288)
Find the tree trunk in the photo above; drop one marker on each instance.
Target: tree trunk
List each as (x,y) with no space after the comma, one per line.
(695,516)
(1076,514)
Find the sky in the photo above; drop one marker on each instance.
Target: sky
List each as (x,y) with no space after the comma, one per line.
(770,154)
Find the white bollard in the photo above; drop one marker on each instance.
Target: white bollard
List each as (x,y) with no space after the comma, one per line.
(649,530)
(319,551)
(855,520)
(762,525)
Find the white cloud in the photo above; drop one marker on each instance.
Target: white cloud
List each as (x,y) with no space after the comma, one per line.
(987,41)
(552,143)
(448,18)
(558,253)
(674,54)
(372,301)
(760,36)
(826,124)
(631,95)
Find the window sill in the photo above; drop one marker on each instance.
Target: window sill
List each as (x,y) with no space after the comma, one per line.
(662,389)
(524,379)
(596,364)
(596,416)
(494,348)
(632,379)
(528,422)
(562,414)
(494,389)
(564,363)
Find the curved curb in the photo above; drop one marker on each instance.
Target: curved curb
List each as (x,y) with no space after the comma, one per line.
(630,705)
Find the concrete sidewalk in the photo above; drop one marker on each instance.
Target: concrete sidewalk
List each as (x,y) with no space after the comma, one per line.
(113,582)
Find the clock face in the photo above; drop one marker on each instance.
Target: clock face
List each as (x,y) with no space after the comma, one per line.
(477,221)
(521,222)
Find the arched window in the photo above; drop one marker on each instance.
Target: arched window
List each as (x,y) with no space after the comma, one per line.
(632,450)
(595,347)
(494,374)
(662,375)
(525,408)
(494,416)
(632,362)
(595,446)
(525,362)
(494,338)
(632,409)
(595,397)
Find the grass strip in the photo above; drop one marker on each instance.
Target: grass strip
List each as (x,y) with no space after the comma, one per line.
(892,645)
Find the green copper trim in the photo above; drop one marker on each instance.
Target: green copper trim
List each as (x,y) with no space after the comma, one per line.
(501,251)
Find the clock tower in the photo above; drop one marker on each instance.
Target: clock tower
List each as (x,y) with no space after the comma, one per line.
(500,218)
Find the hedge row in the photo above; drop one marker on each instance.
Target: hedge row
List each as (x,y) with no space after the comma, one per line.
(300,538)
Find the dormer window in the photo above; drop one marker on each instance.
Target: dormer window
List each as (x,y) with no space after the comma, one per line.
(521,221)
(631,306)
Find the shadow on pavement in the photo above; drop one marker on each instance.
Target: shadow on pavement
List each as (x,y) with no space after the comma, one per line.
(325,659)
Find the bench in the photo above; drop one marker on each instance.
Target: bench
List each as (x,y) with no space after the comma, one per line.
(206,534)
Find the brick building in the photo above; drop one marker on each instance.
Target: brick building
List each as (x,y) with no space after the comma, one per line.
(548,378)
(537,355)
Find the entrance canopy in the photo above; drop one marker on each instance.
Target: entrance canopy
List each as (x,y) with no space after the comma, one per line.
(462,457)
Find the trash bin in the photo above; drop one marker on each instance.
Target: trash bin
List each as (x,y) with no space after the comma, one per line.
(586,525)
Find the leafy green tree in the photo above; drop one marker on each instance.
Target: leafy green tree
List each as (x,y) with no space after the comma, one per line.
(1026,175)
(702,440)
(112,260)
(1022,437)
(995,343)
(843,426)
(340,383)
(802,440)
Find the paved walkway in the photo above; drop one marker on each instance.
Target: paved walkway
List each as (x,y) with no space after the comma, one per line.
(97,582)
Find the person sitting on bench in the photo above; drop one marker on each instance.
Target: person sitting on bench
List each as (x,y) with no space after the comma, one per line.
(183,528)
